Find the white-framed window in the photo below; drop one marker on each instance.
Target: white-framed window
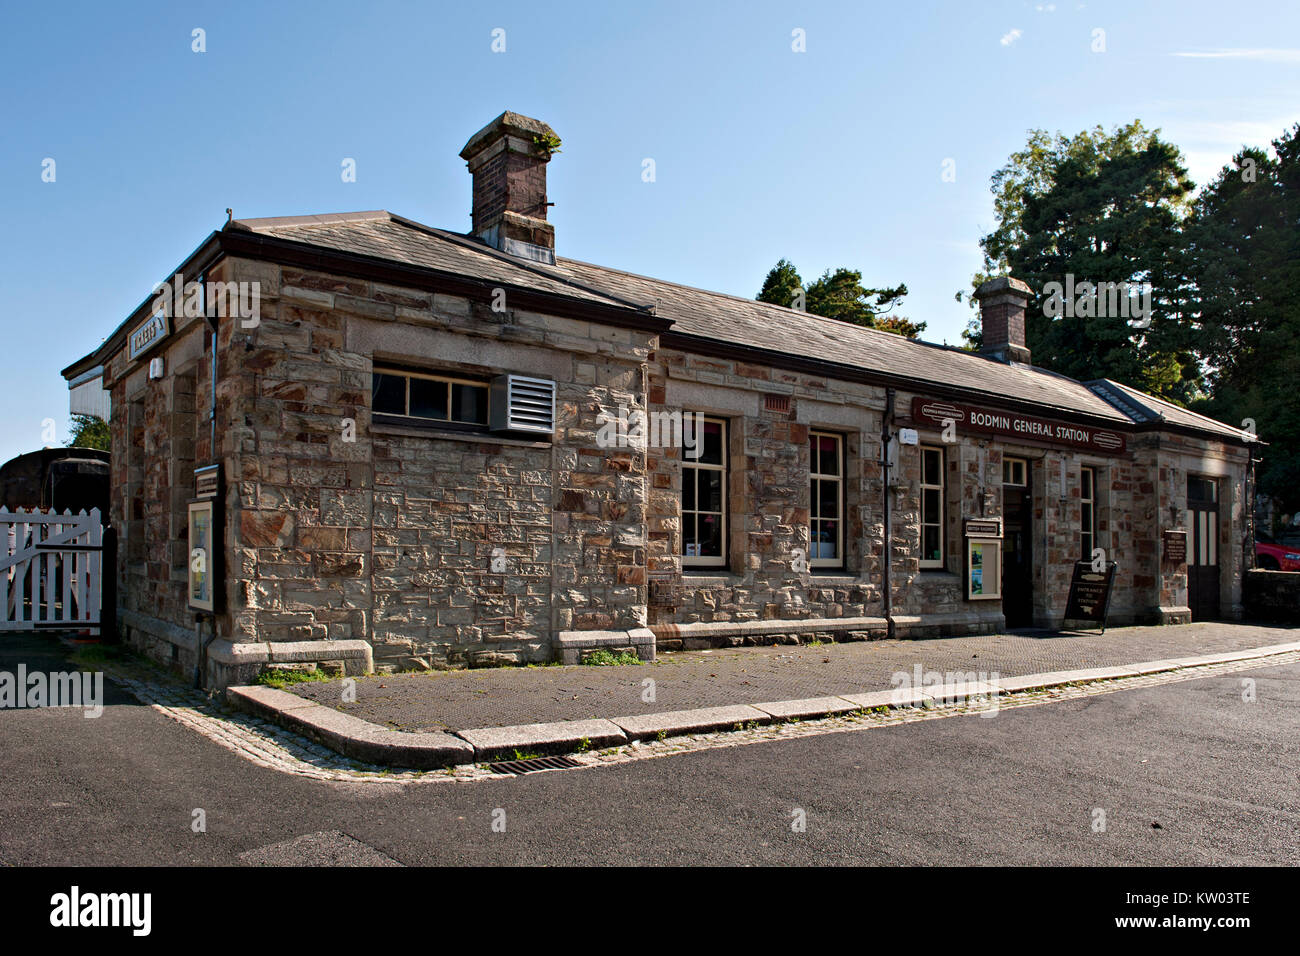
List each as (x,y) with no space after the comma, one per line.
(1015,471)
(826,500)
(458,402)
(1087,512)
(932,510)
(704,498)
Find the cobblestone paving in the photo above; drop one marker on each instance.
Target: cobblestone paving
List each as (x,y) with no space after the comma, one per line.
(269,746)
(502,697)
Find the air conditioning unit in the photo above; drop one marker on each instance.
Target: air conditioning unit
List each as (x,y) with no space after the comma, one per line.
(523,404)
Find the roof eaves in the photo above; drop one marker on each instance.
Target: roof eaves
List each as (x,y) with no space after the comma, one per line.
(197,262)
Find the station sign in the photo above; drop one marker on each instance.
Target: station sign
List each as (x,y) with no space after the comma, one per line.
(996,421)
(147,334)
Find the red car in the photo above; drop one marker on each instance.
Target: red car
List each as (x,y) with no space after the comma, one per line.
(1271,556)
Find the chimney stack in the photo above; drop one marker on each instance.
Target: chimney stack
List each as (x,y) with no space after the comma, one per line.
(507,159)
(1002,316)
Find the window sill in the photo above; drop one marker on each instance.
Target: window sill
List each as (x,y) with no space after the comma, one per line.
(719,577)
(443,434)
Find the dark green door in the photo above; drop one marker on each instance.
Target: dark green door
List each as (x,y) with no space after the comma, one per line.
(1203,555)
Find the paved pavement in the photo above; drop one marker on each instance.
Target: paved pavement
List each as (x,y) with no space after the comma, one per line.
(502,697)
(1216,771)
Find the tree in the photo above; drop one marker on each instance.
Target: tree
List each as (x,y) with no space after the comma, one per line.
(1098,208)
(782,285)
(839,295)
(1242,257)
(90,431)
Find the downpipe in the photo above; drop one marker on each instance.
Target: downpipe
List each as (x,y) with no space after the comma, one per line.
(886,551)
(201,650)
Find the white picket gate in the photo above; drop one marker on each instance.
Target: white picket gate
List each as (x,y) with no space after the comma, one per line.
(51,574)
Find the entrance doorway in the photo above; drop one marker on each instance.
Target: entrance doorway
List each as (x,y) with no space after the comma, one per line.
(1017,544)
(1203,557)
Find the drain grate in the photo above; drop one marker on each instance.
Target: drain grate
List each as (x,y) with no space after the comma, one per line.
(532,765)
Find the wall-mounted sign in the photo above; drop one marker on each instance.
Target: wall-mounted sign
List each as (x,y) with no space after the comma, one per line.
(983,527)
(207,481)
(908,436)
(1175,547)
(204,543)
(1090,593)
(147,334)
(995,421)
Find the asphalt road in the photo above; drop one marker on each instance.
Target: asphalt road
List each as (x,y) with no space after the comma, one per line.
(1217,774)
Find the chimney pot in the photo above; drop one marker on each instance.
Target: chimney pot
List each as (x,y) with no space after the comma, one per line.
(507,159)
(1002,317)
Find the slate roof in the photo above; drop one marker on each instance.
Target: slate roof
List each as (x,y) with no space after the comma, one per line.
(726,318)
(384,236)
(722,318)
(1144,409)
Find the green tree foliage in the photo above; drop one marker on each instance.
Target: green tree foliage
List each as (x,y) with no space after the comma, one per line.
(1101,207)
(90,431)
(839,295)
(782,285)
(1242,255)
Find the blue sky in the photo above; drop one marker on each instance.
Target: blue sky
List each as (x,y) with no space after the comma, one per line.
(829,157)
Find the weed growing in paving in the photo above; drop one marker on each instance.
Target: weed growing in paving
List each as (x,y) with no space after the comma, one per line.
(605,658)
(90,657)
(276,677)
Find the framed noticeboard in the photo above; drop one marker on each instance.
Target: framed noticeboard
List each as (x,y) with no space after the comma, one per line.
(1090,593)
(983,569)
(205,550)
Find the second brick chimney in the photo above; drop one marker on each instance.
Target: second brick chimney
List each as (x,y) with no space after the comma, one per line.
(507,159)
(1002,316)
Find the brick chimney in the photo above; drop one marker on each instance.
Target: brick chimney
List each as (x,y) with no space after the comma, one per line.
(507,159)
(1002,316)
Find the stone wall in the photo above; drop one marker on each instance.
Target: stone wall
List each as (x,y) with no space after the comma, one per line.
(768,462)
(344,533)
(159,430)
(390,537)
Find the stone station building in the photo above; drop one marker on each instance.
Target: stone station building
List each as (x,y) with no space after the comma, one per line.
(415,463)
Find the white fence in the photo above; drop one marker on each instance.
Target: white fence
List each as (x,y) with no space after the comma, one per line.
(51,572)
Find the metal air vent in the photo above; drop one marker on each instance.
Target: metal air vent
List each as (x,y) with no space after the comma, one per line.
(523,404)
